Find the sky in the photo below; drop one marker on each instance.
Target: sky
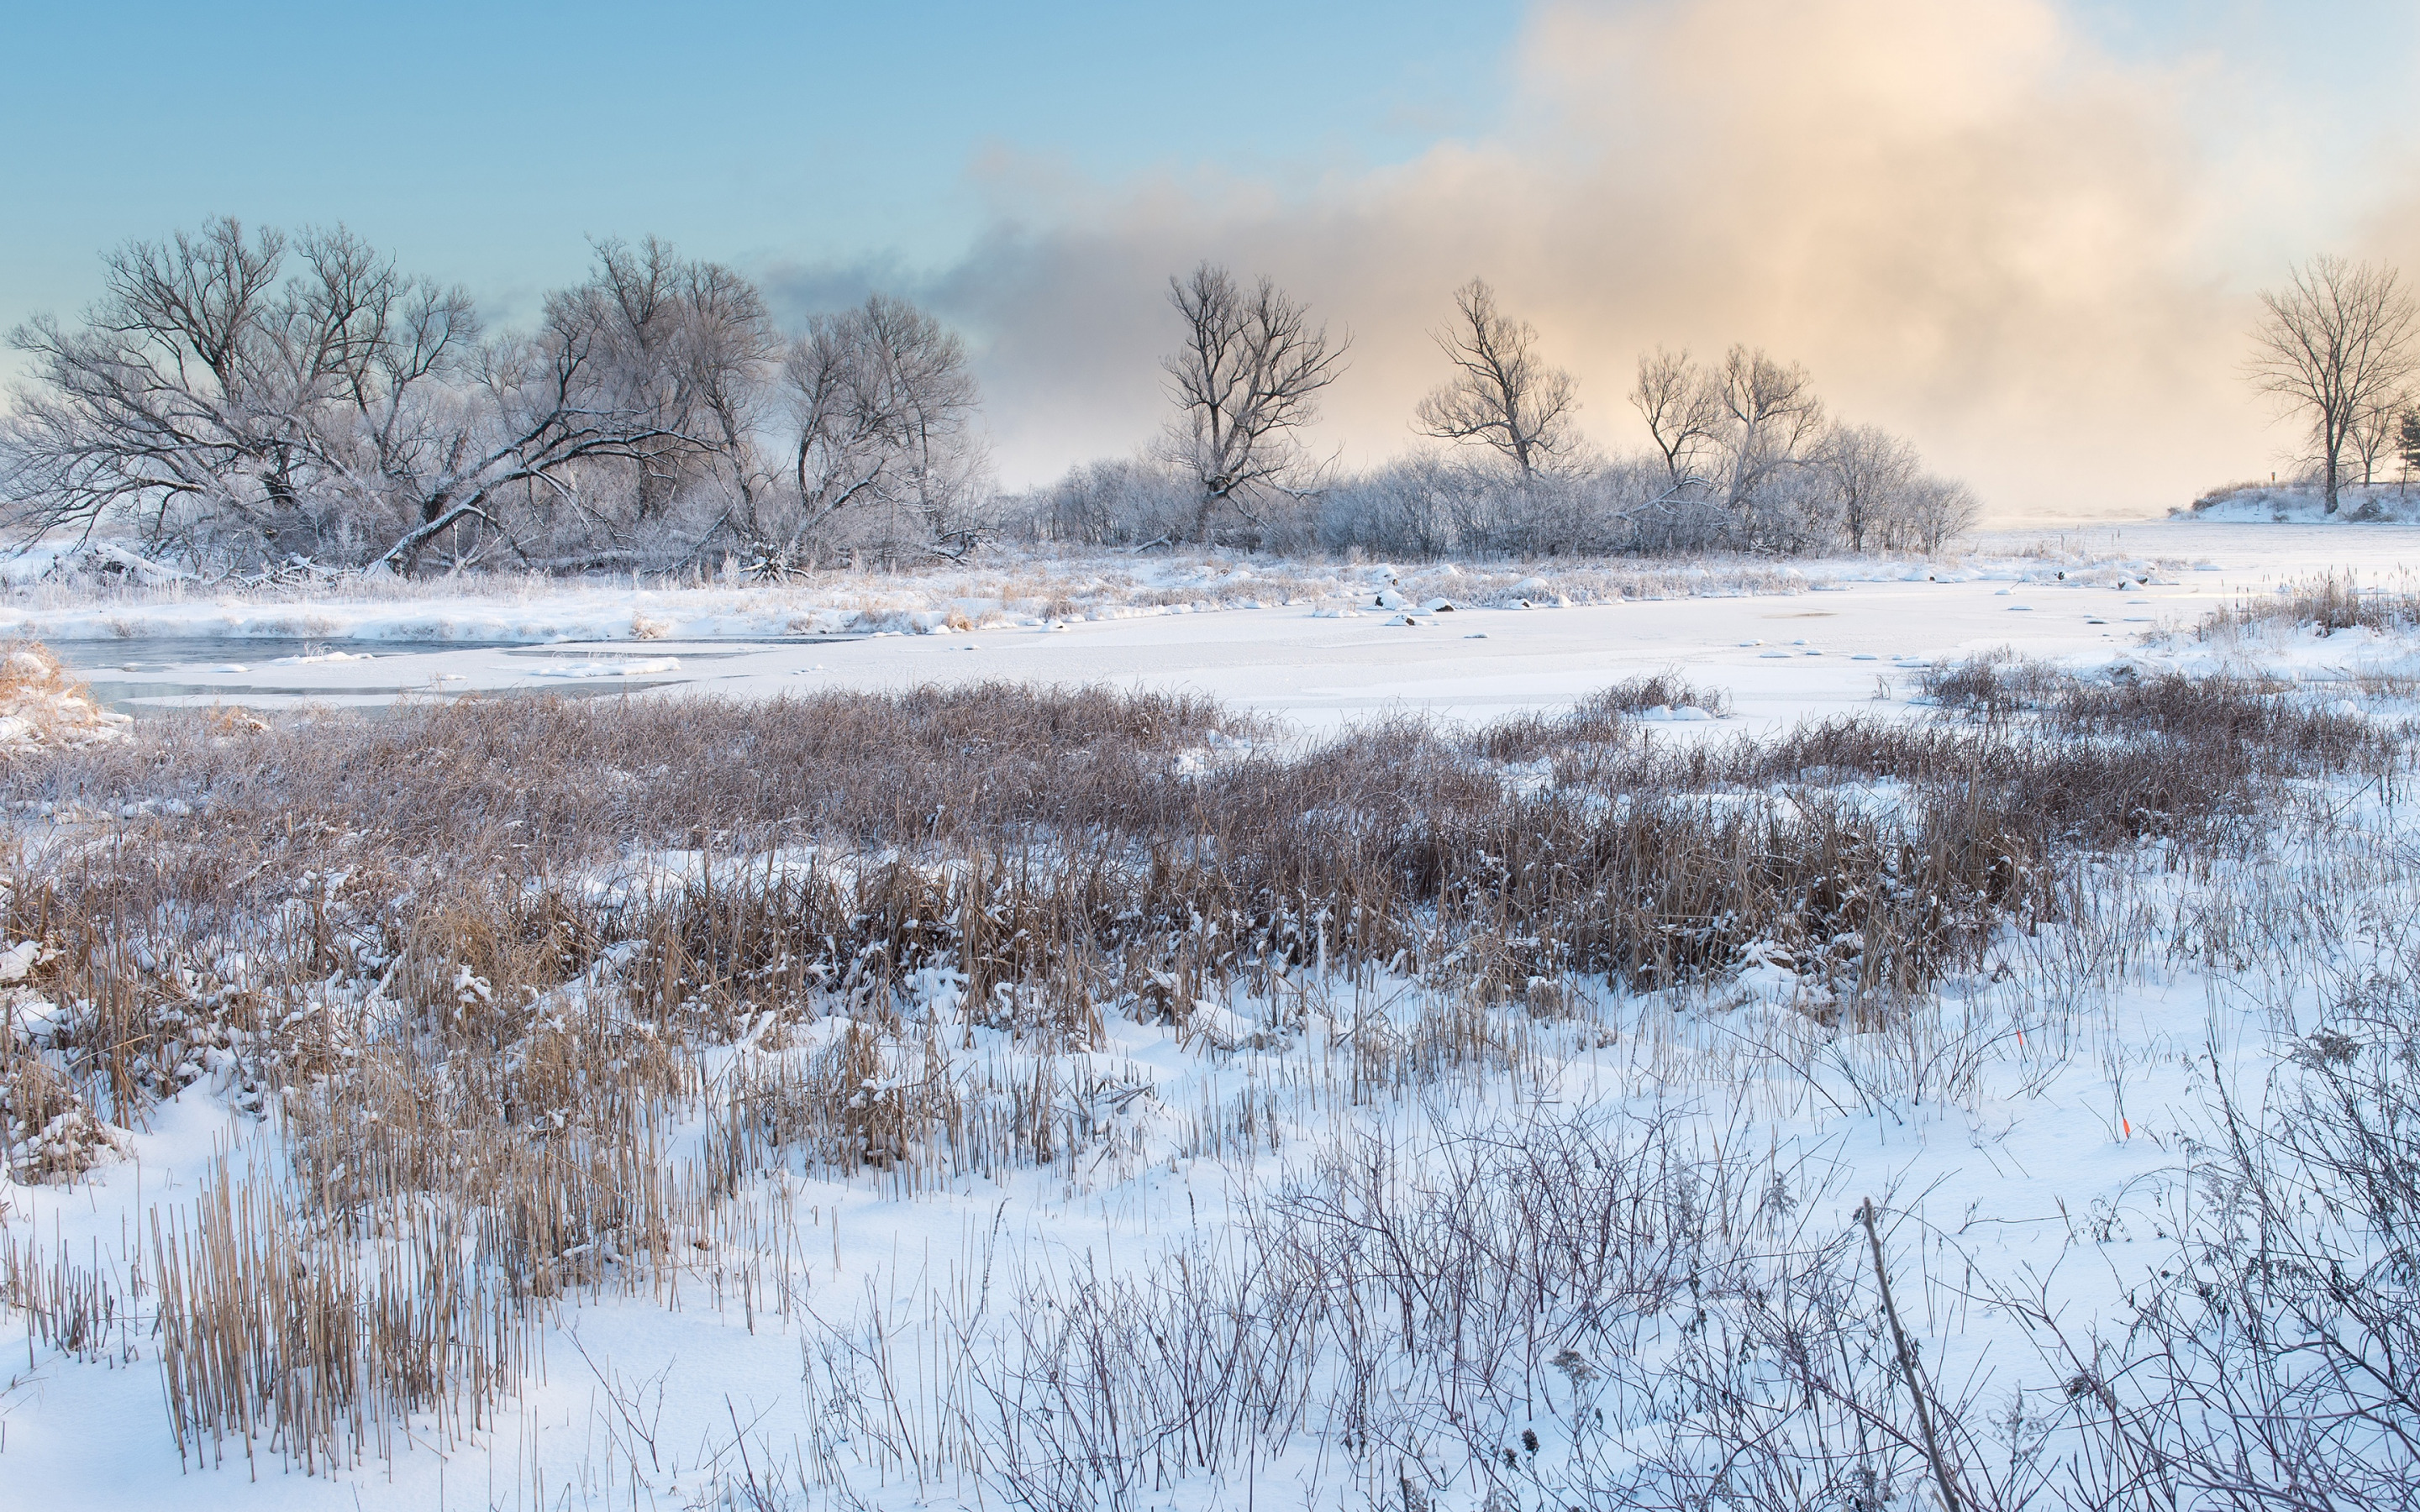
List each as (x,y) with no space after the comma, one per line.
(2027,234)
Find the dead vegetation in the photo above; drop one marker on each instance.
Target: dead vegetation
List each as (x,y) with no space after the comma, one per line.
(477,962)
(2325,603)
(42,707)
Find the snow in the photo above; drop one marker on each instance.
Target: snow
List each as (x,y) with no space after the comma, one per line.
(630,667)
(1317,661)
(2357,506)
(2037,1159)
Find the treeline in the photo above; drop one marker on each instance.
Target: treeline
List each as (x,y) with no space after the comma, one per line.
(235,398)
(1742,459)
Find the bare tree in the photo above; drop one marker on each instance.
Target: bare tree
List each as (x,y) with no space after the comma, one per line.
(169,402)
(1934,510)
(1247,378)
(220,406)
(626,369)
(1111,500)
(2371,437)
(1773,415)
(1501,395)
(215,407)
(692,344)
(1872,471)
(2332,345)
(1682,407)
(942,463)
(883,410)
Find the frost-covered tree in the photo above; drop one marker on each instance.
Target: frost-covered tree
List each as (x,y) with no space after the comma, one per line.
(883,436)
(692,346)
(1109,501)
(1245,379)
(1683,409)
(1933,512)
(1771,420)
(1736,439)
(623,375)
(247,396)
(1871,471)
(2332,345)
(1503,395)
(240,395)
(213,402)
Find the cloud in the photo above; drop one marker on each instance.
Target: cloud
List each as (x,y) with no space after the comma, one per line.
(1971,224)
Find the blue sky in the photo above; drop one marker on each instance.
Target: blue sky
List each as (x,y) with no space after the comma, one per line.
(2053,174)
(485,142)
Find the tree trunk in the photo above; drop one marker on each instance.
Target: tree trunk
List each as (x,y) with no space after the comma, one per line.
(405,553)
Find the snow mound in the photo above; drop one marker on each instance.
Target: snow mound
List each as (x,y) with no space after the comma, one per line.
(40,705)
(628,667)
(309,657)
(2290,503)
(1222,1028)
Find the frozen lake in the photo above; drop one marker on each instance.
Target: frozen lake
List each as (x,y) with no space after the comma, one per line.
(1780,655)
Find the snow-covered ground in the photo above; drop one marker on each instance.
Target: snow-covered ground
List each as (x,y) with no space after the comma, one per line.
(2276,504)
(868,1341)
(1813,638)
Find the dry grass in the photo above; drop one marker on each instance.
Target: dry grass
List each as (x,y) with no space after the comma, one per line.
(1063,853)
(43,707)
(2326,604)
(474,961)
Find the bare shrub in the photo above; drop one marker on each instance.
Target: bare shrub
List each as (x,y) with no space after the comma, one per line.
(2269,1362)
(1600,718)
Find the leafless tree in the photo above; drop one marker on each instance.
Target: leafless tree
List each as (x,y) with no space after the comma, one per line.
(883,411)
(218,405)
(1938,510)
(1682,411)
(1872,471)
(626,369)
(2372,438)
(941,468)
(1501,395)
(2332,345)
(690,343)
(1773,416)
(201,396)
(1247,378)
(1110,501)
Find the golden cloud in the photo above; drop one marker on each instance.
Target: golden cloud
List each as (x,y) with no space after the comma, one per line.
(1973,225)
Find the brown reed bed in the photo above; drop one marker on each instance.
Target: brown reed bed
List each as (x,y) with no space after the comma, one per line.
(2327,603)
(1064,853)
